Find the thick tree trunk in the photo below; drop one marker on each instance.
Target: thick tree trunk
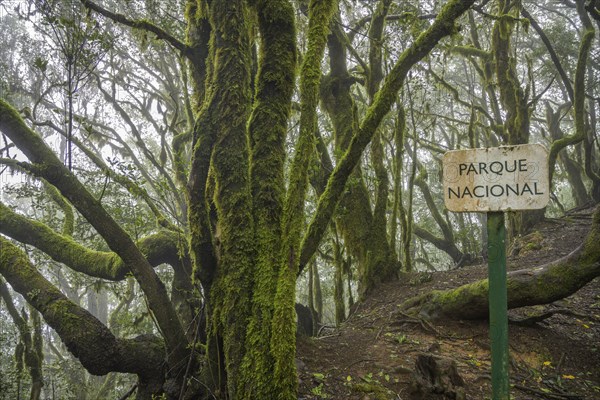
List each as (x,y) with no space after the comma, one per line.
(541,285)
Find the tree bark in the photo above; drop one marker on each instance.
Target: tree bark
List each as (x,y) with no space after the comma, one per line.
(267,135)
(283,345)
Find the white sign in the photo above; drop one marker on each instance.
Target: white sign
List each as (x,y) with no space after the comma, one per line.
(496,179)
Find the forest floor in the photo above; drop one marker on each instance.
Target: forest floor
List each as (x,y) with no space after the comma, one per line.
(372,355)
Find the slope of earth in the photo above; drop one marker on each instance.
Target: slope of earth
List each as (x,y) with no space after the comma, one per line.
(372,355)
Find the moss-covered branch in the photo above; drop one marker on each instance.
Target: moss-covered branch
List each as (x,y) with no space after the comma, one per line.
(158,248)
(471,51)
(69,220)
(86,338)
(443,25)
(49,167)
(540,285)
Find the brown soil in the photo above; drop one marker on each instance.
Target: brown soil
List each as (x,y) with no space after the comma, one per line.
(372,355)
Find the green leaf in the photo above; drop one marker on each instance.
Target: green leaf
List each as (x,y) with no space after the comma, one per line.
(318,376)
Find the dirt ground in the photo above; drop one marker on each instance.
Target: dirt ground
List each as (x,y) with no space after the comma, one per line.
(372,355)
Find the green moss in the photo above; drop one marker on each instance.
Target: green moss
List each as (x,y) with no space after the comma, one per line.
(467,302)
(267,131)
(227,112)
(540,285)
(379,392)
(472,51)
(157,248)
(283,345)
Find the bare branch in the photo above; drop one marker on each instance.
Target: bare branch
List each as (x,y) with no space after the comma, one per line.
(140,24)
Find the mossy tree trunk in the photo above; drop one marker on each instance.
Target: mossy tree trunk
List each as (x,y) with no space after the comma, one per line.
(362,226)
(283,345)
(267,134)
(383,266)
(541,285)
(354,215)
(225,114)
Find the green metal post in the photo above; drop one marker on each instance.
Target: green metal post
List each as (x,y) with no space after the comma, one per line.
(498,305)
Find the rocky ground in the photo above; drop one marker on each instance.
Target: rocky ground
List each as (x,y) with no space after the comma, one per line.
(373,354)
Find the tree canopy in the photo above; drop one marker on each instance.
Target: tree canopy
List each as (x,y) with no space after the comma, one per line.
(177,175)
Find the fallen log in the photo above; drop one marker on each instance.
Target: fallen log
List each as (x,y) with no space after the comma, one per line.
(541,285)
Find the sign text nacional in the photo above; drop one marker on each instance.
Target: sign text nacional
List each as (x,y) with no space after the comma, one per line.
(496,179)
